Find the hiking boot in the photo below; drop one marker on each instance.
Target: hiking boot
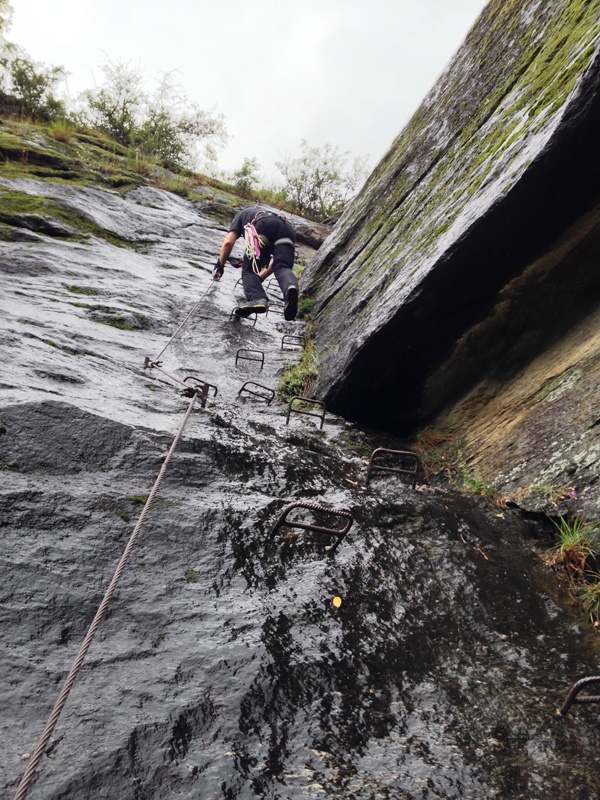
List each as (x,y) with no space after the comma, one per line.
(291,304)
(251,307)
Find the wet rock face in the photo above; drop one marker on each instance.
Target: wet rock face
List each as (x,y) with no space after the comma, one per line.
(469,252)
(222,668)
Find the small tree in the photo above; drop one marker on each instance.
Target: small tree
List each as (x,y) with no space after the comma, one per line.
(173,127)
(33,87)
(319,182)
(115,108)
(246,178)
(164,125)
(26,87)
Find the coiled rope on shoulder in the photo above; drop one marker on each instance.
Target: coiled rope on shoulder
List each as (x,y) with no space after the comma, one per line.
(29,774)
(254,244)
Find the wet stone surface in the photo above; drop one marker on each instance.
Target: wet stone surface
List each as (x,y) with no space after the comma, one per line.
(223,669)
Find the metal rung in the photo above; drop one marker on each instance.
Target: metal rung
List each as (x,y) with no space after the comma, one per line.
(574,691)
(202,387)
(340,533)
(258,394)
(251,356)
(402,455)
(233,315)
(292,339)
(310,400)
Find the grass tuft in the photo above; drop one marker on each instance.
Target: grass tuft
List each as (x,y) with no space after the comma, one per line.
(61,130)
(576,554)
(589,594)
(305,307)
(473,483)
(296,380)
(577,544)
(138,500)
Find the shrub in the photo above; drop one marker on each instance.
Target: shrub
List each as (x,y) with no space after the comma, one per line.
(29,88)
(274,196)
(164,125)
(246,178)
(319,182)
(115,107)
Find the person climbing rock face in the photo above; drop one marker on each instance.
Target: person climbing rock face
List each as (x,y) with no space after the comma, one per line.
(270,242)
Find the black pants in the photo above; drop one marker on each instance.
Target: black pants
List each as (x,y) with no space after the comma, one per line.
(272,229)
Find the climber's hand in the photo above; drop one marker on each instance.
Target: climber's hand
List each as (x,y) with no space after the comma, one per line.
(218,271)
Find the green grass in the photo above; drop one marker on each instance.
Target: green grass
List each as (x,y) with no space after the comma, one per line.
(576,555)
(139,500)
(7,232)
(82,290)
(305,307)
(60,152)
(589,594)
(296,380)
(439,452)
(139,322)
(117,318)
(577,544)
(61,130)
(14,205)
(473,483)
(71,351)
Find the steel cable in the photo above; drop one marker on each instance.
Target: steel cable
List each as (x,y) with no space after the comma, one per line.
(29,774)
(210,285)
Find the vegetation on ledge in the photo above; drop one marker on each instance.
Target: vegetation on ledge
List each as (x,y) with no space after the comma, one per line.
(576,555)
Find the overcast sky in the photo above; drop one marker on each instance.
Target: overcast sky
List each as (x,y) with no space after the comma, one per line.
(345,72)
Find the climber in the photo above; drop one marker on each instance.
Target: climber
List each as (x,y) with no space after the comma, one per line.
(270,242)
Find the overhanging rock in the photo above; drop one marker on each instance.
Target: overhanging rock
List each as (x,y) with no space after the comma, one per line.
(498,166)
